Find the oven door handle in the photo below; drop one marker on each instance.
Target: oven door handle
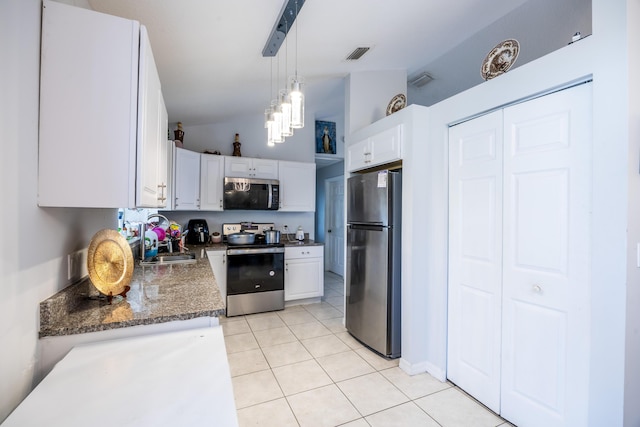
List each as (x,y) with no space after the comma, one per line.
(248,251)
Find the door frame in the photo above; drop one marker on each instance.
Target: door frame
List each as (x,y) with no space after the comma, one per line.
(328,207)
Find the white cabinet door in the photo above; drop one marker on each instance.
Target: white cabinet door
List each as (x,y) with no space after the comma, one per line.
(297,186)
(265,168)
(211,182)
(386,146)
(237,166)
(186,180)
(358,155)
(304,272)
(475,257)
(88,108)
(247,167)
(218,261)
(163,157)
(379,149)
(546,291)
(149,118)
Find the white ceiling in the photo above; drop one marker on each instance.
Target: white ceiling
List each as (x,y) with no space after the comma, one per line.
(209,52)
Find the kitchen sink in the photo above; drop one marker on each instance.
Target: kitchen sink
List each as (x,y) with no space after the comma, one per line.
(170,259)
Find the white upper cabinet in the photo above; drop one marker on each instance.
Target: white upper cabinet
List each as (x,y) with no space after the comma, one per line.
(378,149)
(297,186)
(186,180)
(152,130)
(211,182)
(246,167)
(89,137)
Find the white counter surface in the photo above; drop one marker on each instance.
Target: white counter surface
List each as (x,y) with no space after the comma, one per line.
(170,379)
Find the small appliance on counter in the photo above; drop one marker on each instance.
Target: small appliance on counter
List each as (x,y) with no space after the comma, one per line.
(197,232)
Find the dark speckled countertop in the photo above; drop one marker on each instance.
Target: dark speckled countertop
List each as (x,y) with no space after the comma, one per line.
(159,293)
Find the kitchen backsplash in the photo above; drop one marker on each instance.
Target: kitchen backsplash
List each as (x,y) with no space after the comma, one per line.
(215,219)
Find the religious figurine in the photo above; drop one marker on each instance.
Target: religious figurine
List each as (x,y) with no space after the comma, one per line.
(236,146)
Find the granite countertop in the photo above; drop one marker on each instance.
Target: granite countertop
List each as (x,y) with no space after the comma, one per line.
(159,293)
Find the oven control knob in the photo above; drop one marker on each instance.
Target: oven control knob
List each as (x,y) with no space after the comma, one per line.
(272,273)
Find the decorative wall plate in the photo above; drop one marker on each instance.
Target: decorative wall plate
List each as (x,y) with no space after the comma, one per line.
(110,262)
(500,59)
(398,102)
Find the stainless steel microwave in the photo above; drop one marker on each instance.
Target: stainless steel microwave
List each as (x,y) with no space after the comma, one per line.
(251,194)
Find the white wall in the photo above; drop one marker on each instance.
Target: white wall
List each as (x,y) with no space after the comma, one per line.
(367,94)
(632,354)
(33,257)
(253,139)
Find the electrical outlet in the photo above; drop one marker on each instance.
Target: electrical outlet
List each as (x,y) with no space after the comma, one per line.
(77,265)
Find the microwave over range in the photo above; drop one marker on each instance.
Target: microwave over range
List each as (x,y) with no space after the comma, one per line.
(251,194)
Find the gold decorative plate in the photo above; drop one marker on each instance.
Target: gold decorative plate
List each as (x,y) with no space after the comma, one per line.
(500,59)
(397,103)
(110,262)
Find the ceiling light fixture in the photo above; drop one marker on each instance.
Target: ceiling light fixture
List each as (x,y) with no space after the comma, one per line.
(288,107)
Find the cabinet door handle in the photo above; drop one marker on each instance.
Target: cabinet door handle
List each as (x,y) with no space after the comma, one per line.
(537,289)
(224,258)
(220,202)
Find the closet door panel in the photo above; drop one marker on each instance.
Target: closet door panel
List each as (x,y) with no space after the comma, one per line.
(475,257)
(545,334)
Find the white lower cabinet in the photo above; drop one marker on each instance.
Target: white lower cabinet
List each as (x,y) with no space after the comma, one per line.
(218,261)
(303,272)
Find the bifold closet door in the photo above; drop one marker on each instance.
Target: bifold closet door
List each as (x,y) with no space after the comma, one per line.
(475,257)
(546,258)
(519,248)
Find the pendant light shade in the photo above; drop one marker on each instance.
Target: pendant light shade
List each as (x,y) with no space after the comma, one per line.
(297,102)
(276,125)
(285,108)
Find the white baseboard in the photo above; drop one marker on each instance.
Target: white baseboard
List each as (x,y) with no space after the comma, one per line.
(421,367)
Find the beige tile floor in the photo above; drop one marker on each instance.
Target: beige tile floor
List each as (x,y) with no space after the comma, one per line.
(300,367)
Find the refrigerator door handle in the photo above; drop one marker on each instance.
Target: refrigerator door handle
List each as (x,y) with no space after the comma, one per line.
(372,227)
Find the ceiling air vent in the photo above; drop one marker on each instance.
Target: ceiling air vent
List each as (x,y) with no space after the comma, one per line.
(357,53)
(420,79)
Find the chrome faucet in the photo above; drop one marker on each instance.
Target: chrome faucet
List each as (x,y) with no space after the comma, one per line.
(141,231)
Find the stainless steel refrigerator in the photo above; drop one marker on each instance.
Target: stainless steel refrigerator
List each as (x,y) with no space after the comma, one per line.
(374,206)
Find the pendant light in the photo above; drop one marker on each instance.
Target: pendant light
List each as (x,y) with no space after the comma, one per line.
(284,98)
(296,91)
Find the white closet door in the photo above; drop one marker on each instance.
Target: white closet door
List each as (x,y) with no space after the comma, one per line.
(475,257)
(545,332)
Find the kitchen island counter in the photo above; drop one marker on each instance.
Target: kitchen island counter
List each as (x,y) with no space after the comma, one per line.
(158,294)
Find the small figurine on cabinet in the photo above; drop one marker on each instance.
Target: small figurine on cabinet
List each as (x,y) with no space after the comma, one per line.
(236,146)
(179,133)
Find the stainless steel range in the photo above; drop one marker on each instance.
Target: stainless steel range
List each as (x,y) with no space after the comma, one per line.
(255,272)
